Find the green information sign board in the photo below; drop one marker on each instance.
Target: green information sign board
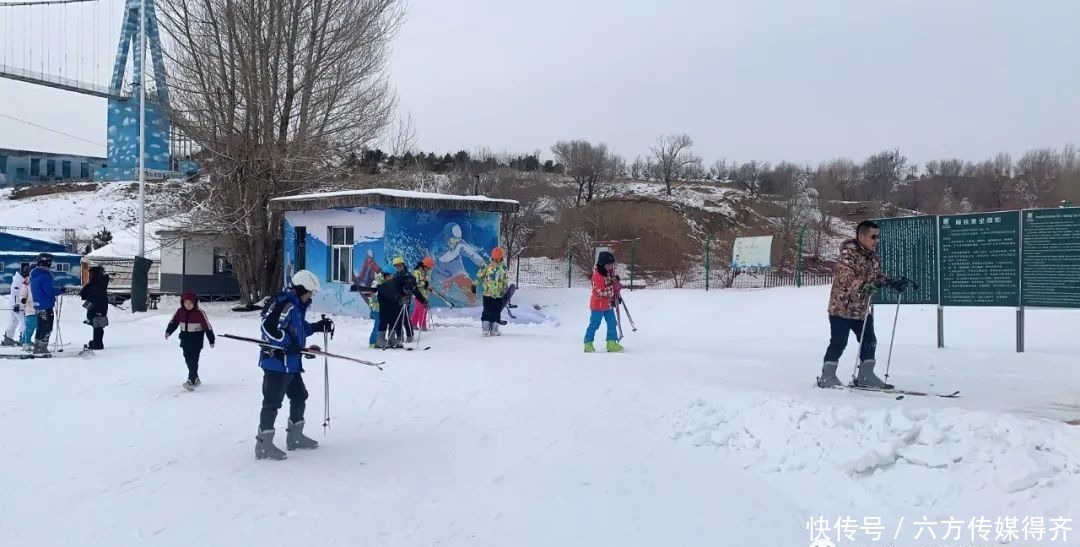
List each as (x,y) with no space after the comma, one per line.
(908,247)
(980,259)
(1051,258)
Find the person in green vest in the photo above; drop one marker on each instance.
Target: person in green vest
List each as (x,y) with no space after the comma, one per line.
(495,280)
(421,273)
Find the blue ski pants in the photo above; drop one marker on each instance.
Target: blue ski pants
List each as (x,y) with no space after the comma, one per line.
(594,324)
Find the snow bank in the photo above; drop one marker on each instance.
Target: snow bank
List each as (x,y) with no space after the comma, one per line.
(911,460)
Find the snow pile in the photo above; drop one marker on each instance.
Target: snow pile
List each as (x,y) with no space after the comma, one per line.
(906,458)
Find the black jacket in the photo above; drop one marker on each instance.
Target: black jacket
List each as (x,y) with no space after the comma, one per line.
(96,293)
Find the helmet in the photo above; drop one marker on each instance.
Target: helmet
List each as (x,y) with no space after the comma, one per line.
(497,253)
(398,260)
(370,254)
(605,258)
(429,262)
(306,280)
(44,259)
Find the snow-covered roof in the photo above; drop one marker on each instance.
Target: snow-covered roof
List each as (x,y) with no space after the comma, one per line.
(386,197)
(123,250)
(35,253)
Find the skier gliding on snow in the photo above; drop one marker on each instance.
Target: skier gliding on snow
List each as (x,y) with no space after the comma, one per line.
(602,301)
(857,277)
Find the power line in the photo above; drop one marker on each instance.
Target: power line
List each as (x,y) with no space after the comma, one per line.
(42,3)
(2,115)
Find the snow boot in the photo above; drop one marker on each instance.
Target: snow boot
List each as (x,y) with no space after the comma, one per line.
(8,341)
(189,385)
(265,449)
(828,375)
(589,347)
(395,342)
(487,328)
(41,347)
(867,378)
(495,329)
(613,347)
(381,342)
(409,339)
(296,438)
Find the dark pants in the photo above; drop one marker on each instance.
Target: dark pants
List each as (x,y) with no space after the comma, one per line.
(277,385)
(841,328)
(389,315)
(44,326)
(99,339)
(492,309)
(191,358)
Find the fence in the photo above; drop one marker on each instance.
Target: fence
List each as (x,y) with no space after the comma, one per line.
(574,268)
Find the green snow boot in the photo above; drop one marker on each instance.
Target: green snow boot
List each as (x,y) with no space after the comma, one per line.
(613,347)
(589,348)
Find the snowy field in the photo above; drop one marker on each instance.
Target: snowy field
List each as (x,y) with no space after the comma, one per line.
(707,432)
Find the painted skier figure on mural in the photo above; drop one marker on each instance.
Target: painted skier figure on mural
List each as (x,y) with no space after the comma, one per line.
(369,270)
(448,249)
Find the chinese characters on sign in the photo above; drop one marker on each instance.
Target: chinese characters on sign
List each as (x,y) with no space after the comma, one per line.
(1051,258)
(908,247)
(974,531)
(980,259)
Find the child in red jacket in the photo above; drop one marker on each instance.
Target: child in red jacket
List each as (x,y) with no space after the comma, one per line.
(193,324)
(605,294)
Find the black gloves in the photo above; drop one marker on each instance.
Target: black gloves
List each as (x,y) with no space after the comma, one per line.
(474,288)
(323,325)
(901,284)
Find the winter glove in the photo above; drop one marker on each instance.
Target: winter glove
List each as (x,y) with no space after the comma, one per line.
(901,284)
(324,325)
(16,309)
(474,288)
(868,289)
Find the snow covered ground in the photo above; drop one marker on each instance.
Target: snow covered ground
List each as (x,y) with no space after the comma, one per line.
(708,431)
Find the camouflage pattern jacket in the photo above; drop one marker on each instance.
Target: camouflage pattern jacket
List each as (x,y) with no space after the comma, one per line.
(855,267)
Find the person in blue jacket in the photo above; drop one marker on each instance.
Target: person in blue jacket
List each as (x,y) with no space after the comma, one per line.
(285,330)
(44,294)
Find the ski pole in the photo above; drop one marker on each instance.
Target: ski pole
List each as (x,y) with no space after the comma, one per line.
(862,336)
(326,377)
(618,320)
(888,363)
(633,327)
(58,341)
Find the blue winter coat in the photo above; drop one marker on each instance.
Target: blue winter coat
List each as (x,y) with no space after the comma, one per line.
(42,290)
(285,328)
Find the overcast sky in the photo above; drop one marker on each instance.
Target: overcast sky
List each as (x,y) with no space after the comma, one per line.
(747,79)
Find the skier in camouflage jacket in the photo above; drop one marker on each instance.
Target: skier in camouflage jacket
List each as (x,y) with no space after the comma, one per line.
(857,277)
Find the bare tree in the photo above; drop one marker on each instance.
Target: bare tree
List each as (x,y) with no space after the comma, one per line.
(673,156)
(720,170)
(402,137)
(590,165)
(275,93)
(882,173)
(1036,173)
(800,211)
(841,174)
(751,176)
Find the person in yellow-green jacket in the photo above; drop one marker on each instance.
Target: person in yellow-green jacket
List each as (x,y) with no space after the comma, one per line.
(495,279)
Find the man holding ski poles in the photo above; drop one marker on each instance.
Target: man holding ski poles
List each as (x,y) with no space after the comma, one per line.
(858,275)
(285,328)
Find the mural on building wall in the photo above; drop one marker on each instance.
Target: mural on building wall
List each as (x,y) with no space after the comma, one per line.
(459,241)
(342,247)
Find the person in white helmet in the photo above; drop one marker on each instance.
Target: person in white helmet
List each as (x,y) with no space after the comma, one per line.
(285,328)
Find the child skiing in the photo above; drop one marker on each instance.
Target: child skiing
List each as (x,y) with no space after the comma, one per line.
(422,274)
(18,316)
(373,304)
(285,328)
(604,297)
(494,279)
(194,325)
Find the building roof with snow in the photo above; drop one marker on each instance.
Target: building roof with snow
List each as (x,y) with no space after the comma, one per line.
(401,199)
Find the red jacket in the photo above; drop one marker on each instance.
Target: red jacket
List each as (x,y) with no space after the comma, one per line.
(605,289)
(193,325)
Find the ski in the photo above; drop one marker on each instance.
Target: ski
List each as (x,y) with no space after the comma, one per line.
(893,391)
(308,352)
(80,353)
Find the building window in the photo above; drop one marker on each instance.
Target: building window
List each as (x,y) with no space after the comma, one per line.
(35,167)
(84,169)
(50,168)
(3,164)
(221,261)
(341,241)
(62,267)
(65,168)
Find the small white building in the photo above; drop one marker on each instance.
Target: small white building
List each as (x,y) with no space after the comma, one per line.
(197,261)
